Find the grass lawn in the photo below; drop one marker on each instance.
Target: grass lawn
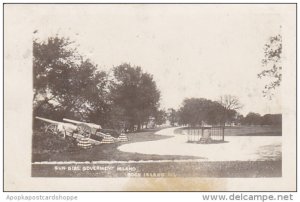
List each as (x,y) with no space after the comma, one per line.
(65,150)
(247,131)
(244,169)
(253,131)
(50,148)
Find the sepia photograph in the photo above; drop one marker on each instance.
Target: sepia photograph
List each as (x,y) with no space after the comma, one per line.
(160,93)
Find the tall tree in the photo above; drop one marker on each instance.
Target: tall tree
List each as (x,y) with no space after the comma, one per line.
(196,110)
(160,117)
(65,84)
(230,105)
(135,92)
(272,65)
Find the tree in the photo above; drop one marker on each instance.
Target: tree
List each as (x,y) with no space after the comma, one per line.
(239,119)
(65,84)
(117,118)
(214,113)
(172,116)
(197,110)
(192,111)
(51,61)
(230,105)
(272,63)
(271,119)
(50,58)
(160,117)
(252,119)
(135,92)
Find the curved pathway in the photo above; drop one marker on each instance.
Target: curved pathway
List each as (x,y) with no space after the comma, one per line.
(237,148)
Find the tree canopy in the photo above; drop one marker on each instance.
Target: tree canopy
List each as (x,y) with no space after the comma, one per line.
(136,93)
(65,84)
(272,64)
(68,85)
(172,116)
(257,119)
(194,111)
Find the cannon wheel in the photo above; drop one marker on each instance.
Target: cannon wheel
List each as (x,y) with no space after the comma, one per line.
(84,130)
(52,129)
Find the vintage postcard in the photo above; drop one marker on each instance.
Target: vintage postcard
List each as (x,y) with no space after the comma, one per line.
(150,97)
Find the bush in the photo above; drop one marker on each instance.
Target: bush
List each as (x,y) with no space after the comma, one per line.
(47,143)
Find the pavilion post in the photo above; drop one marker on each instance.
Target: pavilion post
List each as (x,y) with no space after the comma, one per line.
(223,128)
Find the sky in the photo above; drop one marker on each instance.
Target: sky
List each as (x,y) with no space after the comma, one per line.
(192,50)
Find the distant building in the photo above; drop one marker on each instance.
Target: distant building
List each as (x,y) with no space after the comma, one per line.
(151,122)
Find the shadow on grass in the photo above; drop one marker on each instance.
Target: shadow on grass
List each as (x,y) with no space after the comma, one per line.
(212,142)
(244,131)
(65,150)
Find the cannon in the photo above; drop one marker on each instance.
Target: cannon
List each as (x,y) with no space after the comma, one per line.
(73,129)
(86,134)
(58,128)
(94,131)
(81,132)
(86,129)
(91,125)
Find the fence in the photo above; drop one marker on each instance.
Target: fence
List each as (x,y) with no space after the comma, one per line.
(205,134)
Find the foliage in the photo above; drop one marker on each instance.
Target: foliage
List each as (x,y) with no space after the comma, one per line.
(197,110)
(44,143)
(252,119)
(256,119)
(160,117)
(66,85)
(172,116)
(271,119)
(135,94)
(272,63)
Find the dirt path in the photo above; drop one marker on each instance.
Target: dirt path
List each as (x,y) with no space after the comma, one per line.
(236,148)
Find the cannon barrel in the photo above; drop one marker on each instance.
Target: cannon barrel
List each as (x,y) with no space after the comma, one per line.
(47,120)
(92,125)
